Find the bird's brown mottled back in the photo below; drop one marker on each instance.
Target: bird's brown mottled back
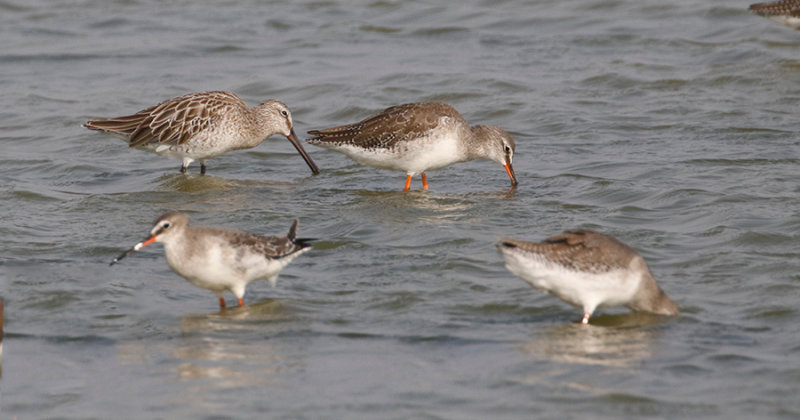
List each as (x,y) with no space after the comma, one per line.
(777,8)
(173,121)
(581,250)
(271,246)
(390,127)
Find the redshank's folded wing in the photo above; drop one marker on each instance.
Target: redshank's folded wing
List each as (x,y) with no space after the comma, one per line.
(777,8)
(581,250)
(388,128)
(272,246)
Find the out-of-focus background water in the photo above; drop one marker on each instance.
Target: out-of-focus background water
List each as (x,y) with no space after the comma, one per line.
(671,125)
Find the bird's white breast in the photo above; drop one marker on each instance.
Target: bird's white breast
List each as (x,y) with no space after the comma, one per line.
(580,288)
(216,264)
(789,21)
(435,151)
(207,266)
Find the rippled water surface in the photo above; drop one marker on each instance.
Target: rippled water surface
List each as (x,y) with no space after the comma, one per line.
(671,125)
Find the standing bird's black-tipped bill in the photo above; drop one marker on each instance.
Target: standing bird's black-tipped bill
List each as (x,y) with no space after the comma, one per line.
(296,143)
(135,248)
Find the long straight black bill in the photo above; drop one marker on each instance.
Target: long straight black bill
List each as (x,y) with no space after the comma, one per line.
(296,143)
(135,248)
(123,255)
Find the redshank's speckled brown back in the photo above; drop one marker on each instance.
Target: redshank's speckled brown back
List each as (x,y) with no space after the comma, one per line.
(199,126)
(418,137)
(221,259)
(589,270)
(786,12)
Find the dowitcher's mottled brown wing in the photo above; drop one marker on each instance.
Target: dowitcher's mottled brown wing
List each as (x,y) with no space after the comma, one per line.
(171,122)
(393,125)
(581,250)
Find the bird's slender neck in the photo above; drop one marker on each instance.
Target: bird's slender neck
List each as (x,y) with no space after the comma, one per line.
(262,125)
(651,298)
(664,305)
(177,239)
(477,142)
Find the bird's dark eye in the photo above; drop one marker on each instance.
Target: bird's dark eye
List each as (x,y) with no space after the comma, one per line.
(165,225)
(508,149)
(284,113)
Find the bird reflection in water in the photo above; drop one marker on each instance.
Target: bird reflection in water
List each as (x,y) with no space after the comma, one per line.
(612,340)
(205,183)
(231,346)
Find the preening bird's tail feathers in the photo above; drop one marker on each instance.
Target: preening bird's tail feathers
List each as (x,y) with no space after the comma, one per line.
(300,243)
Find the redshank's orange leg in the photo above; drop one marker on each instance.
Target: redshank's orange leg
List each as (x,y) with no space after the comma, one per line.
(222,303)
(408,183)
(424,181)
(241,302)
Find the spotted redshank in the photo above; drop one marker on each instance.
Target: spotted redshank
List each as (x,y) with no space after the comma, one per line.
(418,137)
(588,270)
(200,126)
(786,12)
(221,259)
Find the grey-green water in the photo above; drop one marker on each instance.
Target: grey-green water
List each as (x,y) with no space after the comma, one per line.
(668,124)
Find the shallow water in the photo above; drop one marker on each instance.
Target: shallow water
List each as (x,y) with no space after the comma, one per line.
(670,125)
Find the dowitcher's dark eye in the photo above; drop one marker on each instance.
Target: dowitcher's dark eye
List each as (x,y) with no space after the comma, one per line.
(284,113)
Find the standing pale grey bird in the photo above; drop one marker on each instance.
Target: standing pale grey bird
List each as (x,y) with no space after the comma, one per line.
(200,126)
(221,259)
(588,270)
(786,12)
(418,137)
